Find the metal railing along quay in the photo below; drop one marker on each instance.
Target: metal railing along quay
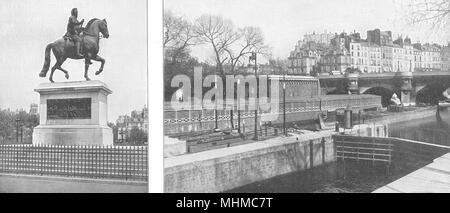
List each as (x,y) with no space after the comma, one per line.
(326,102)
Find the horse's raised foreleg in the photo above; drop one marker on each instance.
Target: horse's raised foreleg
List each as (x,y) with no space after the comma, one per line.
(102,60)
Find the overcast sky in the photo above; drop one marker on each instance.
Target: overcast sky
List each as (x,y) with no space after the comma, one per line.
(27,26)
(284,22)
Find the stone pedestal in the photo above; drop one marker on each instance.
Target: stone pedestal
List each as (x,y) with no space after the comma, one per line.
(73,113)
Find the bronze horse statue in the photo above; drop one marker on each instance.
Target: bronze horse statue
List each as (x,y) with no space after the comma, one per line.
(63,49)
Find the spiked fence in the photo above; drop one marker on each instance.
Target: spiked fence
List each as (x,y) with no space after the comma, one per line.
(104,162)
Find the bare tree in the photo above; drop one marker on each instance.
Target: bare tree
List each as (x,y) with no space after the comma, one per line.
(218,32)
(279,65)
(433,13)
(251,39)
(171,31)
(179,34)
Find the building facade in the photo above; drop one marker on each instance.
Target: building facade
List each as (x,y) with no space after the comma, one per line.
(303,62)
(387,57)
(137,120)
(382,38)
(445,58)
(319,38)
(34,109)
(335,62)
(375,54)
(430,57)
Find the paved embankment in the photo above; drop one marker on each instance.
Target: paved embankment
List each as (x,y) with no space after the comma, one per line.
(12,183)
(434,177)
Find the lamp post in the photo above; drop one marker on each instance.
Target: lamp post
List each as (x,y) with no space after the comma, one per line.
(17,129)
(121,133)
(284,104)
(127,136)
(239,107)
(21,133)
(216,125)
(253,58)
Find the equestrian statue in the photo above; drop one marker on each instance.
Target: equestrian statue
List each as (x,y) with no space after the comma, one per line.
(77,43)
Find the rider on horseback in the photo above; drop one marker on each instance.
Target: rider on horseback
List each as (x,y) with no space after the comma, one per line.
(74,29)
(88,42)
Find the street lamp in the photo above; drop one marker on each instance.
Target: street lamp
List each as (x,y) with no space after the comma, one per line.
(253,58)
(17,129)
(284,105)
(216,125)
(239,107)
(21,133)
(121,133)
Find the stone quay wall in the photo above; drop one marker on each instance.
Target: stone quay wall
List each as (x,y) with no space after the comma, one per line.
(224,169)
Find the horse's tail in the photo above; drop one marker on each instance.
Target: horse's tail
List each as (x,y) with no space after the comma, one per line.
(47,59)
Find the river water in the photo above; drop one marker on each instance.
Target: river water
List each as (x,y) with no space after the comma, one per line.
(340,177)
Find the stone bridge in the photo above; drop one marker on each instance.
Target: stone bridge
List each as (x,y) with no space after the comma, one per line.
(410,87)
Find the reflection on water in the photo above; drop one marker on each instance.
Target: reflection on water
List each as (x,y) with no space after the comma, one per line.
(427,130)
(352,176)
(331,178)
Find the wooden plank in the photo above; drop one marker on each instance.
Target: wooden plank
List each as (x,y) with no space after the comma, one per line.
(362,153)
(366,148)
(348,142)
(361,158)
(364,156)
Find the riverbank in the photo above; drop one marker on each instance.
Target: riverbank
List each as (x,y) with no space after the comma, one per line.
(411,113)
(225,169)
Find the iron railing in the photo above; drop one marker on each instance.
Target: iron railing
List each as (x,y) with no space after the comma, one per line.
(329,103)
(103,162)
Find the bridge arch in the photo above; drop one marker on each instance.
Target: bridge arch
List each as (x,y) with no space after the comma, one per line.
(430,93)
(384,92)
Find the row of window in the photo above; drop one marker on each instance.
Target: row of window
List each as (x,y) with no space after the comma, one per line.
(383,56)
(397,50)
(364,48)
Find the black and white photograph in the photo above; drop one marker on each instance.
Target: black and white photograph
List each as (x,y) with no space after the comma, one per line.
(236,104)
(73,98)
(321,96)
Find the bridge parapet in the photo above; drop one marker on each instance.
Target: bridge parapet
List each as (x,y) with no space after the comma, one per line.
(406,85)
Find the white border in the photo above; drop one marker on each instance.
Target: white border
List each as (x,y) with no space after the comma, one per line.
(155,95)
